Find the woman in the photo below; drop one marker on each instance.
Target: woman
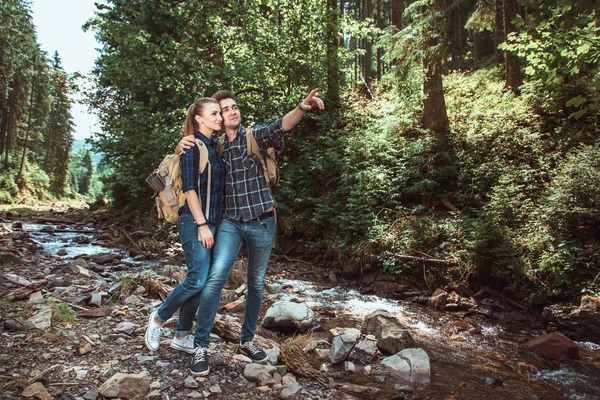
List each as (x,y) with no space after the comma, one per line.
(196,226)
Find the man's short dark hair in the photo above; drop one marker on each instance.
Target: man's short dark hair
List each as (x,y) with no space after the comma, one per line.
(223,94)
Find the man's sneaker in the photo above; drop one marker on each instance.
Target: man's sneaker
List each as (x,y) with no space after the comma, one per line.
(184,344)
(251,350)
(199,365)
(153,333)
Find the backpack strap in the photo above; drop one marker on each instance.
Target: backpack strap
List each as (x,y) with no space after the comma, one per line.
(201,167)
(220,142)
(254,149)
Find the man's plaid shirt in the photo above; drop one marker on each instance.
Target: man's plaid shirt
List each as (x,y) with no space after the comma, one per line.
(190,179)
(247,194)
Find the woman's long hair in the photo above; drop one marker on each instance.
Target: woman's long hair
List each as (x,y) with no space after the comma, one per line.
(196,109)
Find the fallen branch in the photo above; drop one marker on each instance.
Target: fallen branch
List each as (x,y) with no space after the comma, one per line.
(450,206)
(75,231)
(426,260)
(297,260)
(137,246)
(55,220)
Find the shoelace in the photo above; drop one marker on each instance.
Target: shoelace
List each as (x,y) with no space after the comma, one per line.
(156,333)
(251,347)
(200,354)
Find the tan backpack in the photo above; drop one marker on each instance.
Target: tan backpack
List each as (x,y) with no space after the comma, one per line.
(166,182)
(270,168)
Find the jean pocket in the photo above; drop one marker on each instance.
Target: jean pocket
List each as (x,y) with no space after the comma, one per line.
(268,224)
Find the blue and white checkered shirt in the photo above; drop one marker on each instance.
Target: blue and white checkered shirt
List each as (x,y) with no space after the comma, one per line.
(189,177)
(247,194)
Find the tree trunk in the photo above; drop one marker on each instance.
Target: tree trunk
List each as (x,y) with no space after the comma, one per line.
(513,72)
(379,54)
(333,69)
(9,127)
(397,10)
(499,33)
(28,128)
(48,141)
(368,47)
(435,116)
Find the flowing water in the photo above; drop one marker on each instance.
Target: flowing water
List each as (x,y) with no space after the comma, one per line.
(485,365)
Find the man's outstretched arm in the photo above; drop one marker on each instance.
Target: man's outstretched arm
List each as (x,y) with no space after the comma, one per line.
(291,119)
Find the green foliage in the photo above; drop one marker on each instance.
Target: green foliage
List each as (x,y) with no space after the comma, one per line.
(562,45)
(62,313)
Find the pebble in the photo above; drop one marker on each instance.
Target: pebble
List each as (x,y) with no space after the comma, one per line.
(215,389)
(190,383)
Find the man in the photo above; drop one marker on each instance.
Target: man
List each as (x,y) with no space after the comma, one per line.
(249,218)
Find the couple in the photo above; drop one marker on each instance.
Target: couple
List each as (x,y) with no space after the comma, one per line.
(240,210)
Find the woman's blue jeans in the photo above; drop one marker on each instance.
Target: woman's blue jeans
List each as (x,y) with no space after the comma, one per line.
(258,236)
(186,295)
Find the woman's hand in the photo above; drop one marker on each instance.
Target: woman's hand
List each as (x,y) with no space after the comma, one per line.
(185,143)
(206,237)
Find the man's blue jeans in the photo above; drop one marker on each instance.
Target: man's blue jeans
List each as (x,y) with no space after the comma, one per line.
(258,236)
(186,295)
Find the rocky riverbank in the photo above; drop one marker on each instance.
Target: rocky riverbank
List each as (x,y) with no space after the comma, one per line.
(73,320)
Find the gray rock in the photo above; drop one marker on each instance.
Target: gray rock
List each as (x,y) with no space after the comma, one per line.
(273,355)
(288,379)
(63,252)
(92,394)
(132,300)
(287,314)
(190,383)
(412,365)
(259,373)
(42,320)
(365,350)
(126,327)
(392,336)
(342,344)
(291,392)
(96,300)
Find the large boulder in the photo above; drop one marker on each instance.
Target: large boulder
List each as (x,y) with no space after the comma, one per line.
(412,365)
(342,344)
(553,345)
(287,314)
(392,336)
(583,322)
(125,386)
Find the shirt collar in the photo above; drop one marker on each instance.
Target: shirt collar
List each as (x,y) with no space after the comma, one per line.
(204,139)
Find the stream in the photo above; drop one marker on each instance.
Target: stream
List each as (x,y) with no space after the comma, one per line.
(485,365)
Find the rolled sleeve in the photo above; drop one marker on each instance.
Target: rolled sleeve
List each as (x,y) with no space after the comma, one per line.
(271,135)
(189,169)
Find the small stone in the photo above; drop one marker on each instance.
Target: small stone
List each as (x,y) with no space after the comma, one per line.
(37,391)
(497,382)
(92,394)
(289,379)
(263,389)
(132,300)
(63,252)
(84,349)
(291,392)
(215,389)
(241,358)
(42,320)
(349,366)
(194,394)
(190,383)
(126,327)
(155,385)
(142,358)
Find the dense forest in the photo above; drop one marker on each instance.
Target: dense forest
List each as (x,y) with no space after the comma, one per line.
(36,124)
(459,139)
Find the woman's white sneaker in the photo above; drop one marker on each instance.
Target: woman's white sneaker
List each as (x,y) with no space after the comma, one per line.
(184,344)
(153,333)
